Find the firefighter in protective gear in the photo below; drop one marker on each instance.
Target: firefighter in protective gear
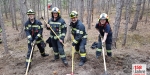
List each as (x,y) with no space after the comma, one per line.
(105,31)
(34,30)
(80,36)
(58,25)
(0,32)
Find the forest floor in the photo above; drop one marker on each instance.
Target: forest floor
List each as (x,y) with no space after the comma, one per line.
(136,51)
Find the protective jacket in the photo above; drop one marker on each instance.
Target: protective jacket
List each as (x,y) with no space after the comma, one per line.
(34,31)
(78,31)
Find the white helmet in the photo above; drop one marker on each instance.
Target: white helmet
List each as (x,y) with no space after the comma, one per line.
(103,16)
(55,10)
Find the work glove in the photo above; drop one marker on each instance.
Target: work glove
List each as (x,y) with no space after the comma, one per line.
(103,44)
(73,44)
(30,39)
(33,43)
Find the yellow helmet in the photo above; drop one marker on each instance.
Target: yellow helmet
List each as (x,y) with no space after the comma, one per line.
(30,12)
(73,14)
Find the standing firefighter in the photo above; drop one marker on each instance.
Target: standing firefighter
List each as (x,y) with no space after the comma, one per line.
(58,25)
(33,29)
(106,33)
(80,36)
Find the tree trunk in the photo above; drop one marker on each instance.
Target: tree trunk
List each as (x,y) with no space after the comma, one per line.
(3,33)
(134,25)
(147,12)
(47,11)
(41,9)
(114,3)
(87,8)
(107,7)
(143,8)
(92,10)
(44,8)
(125,9)
(14,14)
(127,21)
(33,5)
(68,27)
(81,10)
(117,22)
(103,4)
(5,8)
(89,13)
(60,7)
(76,2)
(99,6)
(130,6)
(53,3)
(38,5)
(23,10)
(67,6)
(110,6)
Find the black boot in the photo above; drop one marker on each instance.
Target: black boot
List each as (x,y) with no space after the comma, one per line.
(82,61)
(27,64)
(56,57)
(44,55)
(0,41)
(109,54)
(65,62)
(76,52)
(98,54)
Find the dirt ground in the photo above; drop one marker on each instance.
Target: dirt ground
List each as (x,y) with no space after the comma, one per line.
(136,51)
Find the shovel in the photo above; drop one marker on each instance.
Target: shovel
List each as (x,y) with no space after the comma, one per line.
(103,47)
(105,69)
(72,60)
(29,59)
(52,30)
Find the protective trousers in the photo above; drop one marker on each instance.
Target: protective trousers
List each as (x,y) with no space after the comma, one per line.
(108,47)
(81,46)
(40,46)
(58,49)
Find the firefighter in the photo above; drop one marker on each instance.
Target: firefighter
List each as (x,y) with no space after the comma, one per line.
(34,30)
(0,32)
(58,25)
(80,36)
(105,31)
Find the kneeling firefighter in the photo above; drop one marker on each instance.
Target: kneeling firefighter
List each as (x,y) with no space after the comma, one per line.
(80,36)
